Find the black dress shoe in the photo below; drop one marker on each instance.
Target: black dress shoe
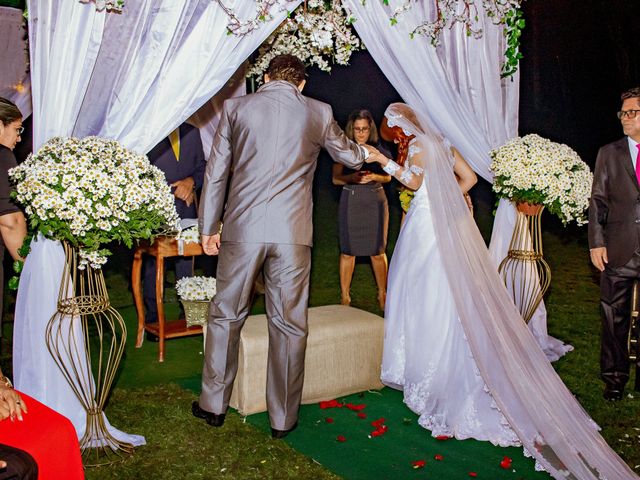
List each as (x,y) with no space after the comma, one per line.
(612,393)
(213,419)
(282,433)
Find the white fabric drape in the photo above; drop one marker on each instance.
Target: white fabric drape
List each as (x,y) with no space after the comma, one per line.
(159,62)
(458,87)
(132,77)
(15,83)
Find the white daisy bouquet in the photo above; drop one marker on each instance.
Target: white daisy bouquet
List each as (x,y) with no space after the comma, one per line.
(196,288)
(538,171)
(92,191)
(317,32)
(189,235)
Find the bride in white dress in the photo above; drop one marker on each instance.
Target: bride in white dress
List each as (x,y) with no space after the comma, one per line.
(454,341)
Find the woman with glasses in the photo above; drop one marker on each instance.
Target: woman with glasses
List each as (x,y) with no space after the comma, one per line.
(13,226)
(27,425)
(363,217)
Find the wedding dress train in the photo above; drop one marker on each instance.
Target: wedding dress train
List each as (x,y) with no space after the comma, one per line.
(454,340)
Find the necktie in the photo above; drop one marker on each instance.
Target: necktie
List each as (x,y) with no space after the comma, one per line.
(638,164)
(174,138)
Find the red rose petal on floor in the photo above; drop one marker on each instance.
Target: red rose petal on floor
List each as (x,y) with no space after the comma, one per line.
(473,474)
(418,464)
(330,404)
(442,437)
(377,423)
(376,433)
(341,438)
(362,415)
(438,457)
(506,463)
(328,420)
(355,408)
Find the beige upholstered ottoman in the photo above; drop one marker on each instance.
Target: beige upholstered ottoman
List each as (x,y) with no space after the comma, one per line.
(344,354)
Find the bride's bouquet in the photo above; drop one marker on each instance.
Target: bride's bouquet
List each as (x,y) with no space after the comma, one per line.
(538,171)
(92,191)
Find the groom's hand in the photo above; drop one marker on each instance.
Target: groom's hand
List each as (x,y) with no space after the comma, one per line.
(211,244)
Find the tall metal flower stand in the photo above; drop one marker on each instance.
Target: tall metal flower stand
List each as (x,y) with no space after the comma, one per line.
(86,338)
(524,270)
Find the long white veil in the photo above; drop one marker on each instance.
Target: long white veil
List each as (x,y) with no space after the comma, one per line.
(552,426)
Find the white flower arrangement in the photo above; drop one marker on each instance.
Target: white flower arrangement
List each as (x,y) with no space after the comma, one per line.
(317,32)
(115,6)
(92,191)
(189,235)
(196,288)
(536,170)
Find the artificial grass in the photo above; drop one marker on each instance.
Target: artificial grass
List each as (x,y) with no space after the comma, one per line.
(180,446)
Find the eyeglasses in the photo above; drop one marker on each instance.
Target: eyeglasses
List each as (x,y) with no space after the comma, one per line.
(19,130)
(361,129)
(627,113)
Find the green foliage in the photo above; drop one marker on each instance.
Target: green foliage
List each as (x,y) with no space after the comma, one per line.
(513,25)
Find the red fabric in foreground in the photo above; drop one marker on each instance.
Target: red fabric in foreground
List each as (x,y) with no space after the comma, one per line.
(50,439)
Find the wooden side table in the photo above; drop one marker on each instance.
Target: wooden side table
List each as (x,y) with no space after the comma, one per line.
(161,248)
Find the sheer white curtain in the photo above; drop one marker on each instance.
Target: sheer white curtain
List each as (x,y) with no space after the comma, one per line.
(458,87)
(15,83)
(161,61)
(131,77)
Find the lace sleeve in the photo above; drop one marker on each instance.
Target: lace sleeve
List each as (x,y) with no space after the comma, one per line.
(412,174)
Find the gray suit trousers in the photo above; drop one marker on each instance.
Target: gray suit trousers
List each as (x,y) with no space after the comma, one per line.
(286,275)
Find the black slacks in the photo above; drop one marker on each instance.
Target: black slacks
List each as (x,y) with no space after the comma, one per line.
(615,302)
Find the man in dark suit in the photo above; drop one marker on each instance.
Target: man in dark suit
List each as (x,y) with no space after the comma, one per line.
(181,157)
(614,241)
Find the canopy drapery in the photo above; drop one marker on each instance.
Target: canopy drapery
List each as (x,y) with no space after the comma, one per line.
(132,77)
(458,87)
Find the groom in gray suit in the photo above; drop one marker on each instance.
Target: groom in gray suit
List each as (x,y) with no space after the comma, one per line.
(258,183)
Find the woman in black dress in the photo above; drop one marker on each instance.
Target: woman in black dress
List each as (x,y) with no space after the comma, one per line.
(363,210)
(13,226)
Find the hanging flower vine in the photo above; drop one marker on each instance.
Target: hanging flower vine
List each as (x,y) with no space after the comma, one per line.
(319,32)
(114,6)
(447,13)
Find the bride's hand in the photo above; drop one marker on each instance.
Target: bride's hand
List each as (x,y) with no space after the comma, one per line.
(378,157)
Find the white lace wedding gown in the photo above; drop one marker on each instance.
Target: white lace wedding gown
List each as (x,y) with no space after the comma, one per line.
(425,350)
(454,340)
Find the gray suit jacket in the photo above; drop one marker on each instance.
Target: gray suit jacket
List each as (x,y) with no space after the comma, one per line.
(260,172)
(614,209)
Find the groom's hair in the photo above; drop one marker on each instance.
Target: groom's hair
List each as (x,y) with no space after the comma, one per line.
(286,67)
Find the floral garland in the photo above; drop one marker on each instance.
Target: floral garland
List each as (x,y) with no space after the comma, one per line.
(114,6)
(319,32)
(536,170)
(465,12)
(92,191)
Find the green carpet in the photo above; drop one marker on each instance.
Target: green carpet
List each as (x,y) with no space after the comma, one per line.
(391,455)
(360,456)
